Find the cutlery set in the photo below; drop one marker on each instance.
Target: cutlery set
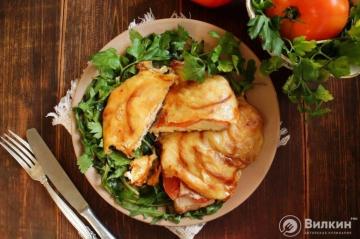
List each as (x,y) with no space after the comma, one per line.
(41,165)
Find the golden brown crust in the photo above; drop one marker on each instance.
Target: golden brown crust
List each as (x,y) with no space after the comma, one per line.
(132,108)
(242,141)
(191,106)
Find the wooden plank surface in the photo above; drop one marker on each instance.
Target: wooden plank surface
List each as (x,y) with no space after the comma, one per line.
(46,44)
(29,40)
(333,158)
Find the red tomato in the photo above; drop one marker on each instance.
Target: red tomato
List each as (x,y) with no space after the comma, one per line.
(212,3)
(172,187)
(314,19)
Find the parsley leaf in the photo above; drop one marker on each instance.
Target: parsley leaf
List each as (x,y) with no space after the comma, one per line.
(235,60)
(307,70)
(323,94)
(136,49)
(243,82)
(354,31)
(261,5)
(118,159)
(302,46)
(96,129)
(133,34)
(84,162)
(256,25)
(225,66)
(355,13)
(228,43)
(106,61)
(301,88)
(261,26)
(194,68)
(215,54)
(290,86)
(250,71)
(270,65)
(350,49)
(339,66)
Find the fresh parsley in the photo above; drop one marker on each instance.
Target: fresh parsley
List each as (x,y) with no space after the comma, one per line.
(107,62)
(311,62)
(266,28)
(84,162)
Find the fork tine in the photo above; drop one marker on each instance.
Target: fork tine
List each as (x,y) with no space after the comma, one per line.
(22,156)
(26,144)
(15,156)
(22,148)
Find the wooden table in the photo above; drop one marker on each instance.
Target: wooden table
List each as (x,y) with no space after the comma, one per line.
(46,44)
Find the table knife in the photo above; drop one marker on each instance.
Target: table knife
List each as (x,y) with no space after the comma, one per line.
(63,183)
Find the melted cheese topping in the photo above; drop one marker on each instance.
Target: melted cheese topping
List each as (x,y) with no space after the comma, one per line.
(132,108)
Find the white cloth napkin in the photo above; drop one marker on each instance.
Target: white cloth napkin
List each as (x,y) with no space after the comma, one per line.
(62,116)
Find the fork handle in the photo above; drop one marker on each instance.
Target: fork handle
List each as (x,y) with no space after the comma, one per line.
(82,229)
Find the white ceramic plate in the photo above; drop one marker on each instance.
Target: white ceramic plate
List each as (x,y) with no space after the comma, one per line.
(262,96)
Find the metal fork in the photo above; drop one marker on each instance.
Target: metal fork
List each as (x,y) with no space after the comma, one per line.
(21,152)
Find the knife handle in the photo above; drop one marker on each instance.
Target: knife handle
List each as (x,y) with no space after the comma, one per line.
(96,224)
(82,229)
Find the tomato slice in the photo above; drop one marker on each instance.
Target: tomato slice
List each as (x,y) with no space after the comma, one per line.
(172,187)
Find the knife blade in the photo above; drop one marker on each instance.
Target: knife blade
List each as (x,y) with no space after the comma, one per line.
(55,172)
(62,182)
